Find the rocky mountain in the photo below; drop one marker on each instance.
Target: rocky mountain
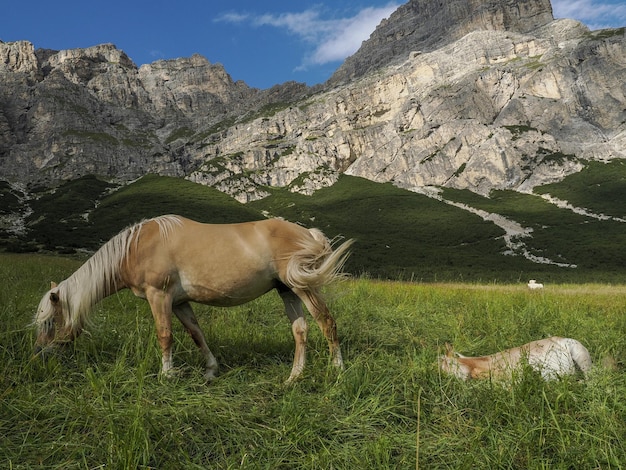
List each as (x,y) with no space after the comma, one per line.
(64,114)
(425,25)
(495,109)
(479,94)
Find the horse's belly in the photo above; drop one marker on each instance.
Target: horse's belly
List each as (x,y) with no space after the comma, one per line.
(225,293)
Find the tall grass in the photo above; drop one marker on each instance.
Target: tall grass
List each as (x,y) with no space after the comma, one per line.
(100,402)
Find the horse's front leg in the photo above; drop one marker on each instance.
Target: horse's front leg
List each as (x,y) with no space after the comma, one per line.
(185,314)
(161,306)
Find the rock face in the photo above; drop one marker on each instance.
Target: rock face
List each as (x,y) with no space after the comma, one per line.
(492,110)
(478,94)
(64,114)
(425,25)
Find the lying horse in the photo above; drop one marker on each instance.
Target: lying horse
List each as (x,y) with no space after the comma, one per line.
(551,357)
(170,261)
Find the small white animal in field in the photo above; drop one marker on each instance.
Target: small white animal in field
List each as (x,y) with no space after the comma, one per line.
(532,284)
(552,357)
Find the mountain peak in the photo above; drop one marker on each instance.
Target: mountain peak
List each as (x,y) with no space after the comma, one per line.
(424,25)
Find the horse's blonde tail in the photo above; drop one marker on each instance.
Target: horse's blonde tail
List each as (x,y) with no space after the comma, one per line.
(316,263)
(581,356)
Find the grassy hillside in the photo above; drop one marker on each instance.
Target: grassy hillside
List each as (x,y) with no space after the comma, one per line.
(100,403)
(400,234)
(601,188)
(87,212)
(561,235)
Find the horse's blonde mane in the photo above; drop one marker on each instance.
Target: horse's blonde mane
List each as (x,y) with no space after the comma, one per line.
(97,277)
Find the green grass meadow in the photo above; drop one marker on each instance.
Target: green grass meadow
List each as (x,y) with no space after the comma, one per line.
(100,403)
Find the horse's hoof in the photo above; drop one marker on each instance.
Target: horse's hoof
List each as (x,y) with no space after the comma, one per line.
(171,373)
(292,379)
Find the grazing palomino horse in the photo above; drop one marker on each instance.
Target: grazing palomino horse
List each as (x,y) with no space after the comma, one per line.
(170,261)
(552,357)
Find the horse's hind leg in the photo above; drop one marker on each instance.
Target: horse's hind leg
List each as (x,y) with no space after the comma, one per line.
(299,328)
(186,316)
(318,309)
(316,305)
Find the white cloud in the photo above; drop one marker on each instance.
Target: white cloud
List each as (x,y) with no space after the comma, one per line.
(595,14)
(348,34)
(232,17)
(331,40)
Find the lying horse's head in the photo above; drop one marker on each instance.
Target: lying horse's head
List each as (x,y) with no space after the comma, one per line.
(53,319)
(450,364)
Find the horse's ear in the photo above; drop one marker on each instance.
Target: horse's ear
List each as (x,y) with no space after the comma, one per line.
(449,350)
(54,297)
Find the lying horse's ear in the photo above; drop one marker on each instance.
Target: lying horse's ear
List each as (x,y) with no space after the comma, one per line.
(52,284)
(449,350)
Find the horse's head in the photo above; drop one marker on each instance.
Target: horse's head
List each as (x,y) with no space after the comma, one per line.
(449,363)
(52,319)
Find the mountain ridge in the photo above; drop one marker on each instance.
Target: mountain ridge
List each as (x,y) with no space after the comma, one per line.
(425,25)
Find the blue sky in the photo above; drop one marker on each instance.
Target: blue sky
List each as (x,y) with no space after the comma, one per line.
(261,43)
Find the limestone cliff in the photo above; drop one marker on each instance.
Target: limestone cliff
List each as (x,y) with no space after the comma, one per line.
(492,110)
(425,25)
(64,114)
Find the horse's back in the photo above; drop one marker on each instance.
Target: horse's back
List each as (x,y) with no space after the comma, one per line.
(275,234)
(279,229)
